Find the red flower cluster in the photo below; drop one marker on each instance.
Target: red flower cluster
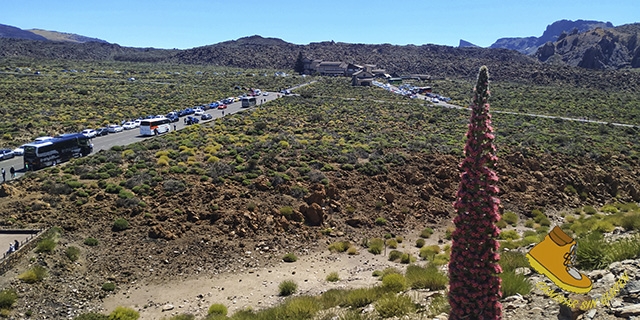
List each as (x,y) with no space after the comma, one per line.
(473,270)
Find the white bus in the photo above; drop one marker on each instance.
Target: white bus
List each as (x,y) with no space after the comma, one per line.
(151,127)
(248,102)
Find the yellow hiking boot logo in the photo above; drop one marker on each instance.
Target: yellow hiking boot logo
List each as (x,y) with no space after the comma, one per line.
(554,257)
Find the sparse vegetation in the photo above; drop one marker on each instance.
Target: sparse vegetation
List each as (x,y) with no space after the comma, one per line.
(289,257)
(33,275)
(108,286)
(73,253)
(120,224)
(122,313)
(333,277)
(287,288)
(217,309)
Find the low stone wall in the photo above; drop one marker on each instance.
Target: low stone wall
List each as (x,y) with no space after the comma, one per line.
(9,260)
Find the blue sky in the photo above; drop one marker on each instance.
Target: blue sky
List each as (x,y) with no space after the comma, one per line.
(188,24)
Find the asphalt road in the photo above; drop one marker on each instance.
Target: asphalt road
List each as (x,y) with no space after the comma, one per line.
(127,137)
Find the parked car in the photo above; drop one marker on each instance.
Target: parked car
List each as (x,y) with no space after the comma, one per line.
(89,133)
(18,151)
(222,106)
(173,118)
(265,93)
(198,112)
(102,131)
(137,122)
(191,120)
(129,125)
(206,116)
(114,128)
(435,100)
(6,154)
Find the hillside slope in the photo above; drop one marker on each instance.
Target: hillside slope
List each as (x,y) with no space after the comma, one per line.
(62,36)
(17,33)
(529,45)
(596,49)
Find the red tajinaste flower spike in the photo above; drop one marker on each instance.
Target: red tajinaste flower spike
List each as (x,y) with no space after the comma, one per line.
(473,269)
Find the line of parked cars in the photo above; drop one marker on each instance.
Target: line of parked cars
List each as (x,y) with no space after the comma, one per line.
(19,151)
(192,115)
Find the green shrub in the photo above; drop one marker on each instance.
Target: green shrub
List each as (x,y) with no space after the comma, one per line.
(73,253)
(624,249)
(399,239)
(352,251)
(286,212)
(394,282)
(631,221)
(603,226)
(407,258)
(441,259)
(388,271)
(529,223)
(608,209)
(46,245)
(429,252)
(501,224)
(513,283)
(33,275)
(91,242)
(289,257)
(251,206)
(92,316)
(589,210)
(395,255)
(426,233)
(360,298)
(108,286)
(376,245)
(420,243)
(7,298)
(591,252)
(112,188)
(439,304)
(511,260)
(122,313)
(381,221)
(394,306)
(509,235)
(120,224)
(392,243)
(218,309)
(287,288)
(428,277)
(510,218)
(333,277)
(339,246)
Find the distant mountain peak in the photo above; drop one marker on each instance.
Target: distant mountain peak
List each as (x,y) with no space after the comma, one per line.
(464,44)
(43,35)
(63,36)
(529,45)
(254,40)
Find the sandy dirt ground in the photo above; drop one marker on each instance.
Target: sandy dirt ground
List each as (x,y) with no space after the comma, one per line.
(256,288)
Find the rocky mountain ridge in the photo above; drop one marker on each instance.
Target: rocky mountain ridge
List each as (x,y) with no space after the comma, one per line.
(529,45)
(614,48)
(12,32)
